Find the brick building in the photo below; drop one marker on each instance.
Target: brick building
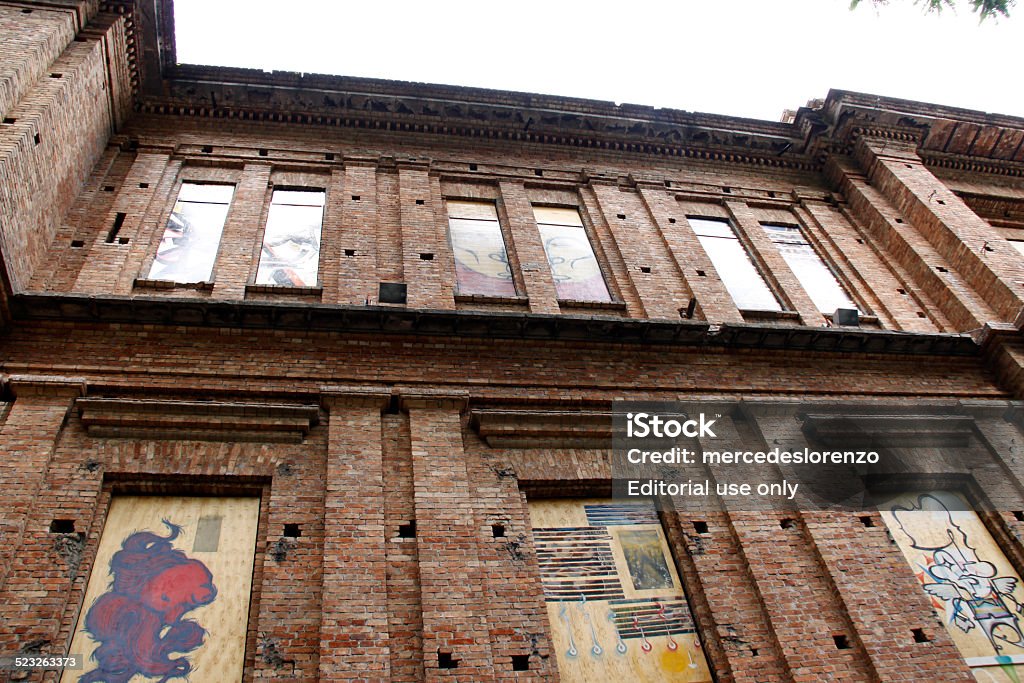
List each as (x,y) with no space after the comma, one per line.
(325,366)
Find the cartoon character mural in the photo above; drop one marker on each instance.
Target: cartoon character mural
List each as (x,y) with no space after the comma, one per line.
(971,584)
(958,576)
(139,621)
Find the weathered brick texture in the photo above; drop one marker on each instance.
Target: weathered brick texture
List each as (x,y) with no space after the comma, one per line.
(394,538)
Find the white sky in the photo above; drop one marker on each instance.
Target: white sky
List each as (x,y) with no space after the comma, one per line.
(750,58)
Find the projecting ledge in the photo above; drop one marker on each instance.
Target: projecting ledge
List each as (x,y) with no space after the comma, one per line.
(196,420)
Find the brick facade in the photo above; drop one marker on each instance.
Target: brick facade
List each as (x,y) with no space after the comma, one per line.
(395,446)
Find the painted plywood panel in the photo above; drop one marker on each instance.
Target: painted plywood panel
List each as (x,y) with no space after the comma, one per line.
(972,586)
(614,600)
(169,592)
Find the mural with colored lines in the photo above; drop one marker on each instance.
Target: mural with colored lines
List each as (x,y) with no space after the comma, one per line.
(615,603)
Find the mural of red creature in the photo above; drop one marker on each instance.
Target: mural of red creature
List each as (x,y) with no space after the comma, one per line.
(138,621)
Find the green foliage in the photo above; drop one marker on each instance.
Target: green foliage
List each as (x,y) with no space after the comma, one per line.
(984,8)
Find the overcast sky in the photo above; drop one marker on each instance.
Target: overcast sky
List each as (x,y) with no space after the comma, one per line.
(750,58)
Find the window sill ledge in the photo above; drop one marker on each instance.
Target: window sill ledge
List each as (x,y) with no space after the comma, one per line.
(491,299)
(143,283)
(751,314)
(593,305)
(287,290)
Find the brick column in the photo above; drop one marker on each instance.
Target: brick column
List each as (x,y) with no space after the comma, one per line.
(357,280)
(137,203)
(456,645)
(529,249)
(637,242)
(910,254)
(978,257)
(795,590)
(865,578)
(27,439)
(429,283)
(354,627)
(238,241)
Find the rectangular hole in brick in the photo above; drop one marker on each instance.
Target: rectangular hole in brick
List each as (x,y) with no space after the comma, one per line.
(108,188)
(445,660)
(753,652)
(645,269)
(9,120)
(350,252)
(920,314)
(920,636)
(908,165)
(902,291)
(771,195)
(123,240)
(520,662)
(56,75)
(538,172)
(62,526)
(207,149)
(143,186)
(263,152)
(727,190)
(700,527)
(867,520)
(860,241)
(292,531)
(671,220)
(116,227)
(80,39)
(941,269)
(787,523)
(899,220)
(37,138)
(701,273)
(842,642)
(356,198)
(942,202)
(621,216)
(407,530)
(1018,515)
(77,244)
(329,156)
(420,202)
(498,530)
(426,257)
(472,167)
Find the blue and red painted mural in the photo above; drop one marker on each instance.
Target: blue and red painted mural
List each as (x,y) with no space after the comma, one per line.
(139,621)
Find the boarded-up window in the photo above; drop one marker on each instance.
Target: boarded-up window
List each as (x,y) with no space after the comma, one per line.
(168,597)
(574,267)
(973,588)
(190,241)
(614,600)
(732,262)
(481,261)
(291,242)
(818,281)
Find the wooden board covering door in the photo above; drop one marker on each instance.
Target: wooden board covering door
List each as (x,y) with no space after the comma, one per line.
(169,591)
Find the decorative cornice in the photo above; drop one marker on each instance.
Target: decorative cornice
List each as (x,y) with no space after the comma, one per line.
(542,428)
(476,324)
(196,420)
